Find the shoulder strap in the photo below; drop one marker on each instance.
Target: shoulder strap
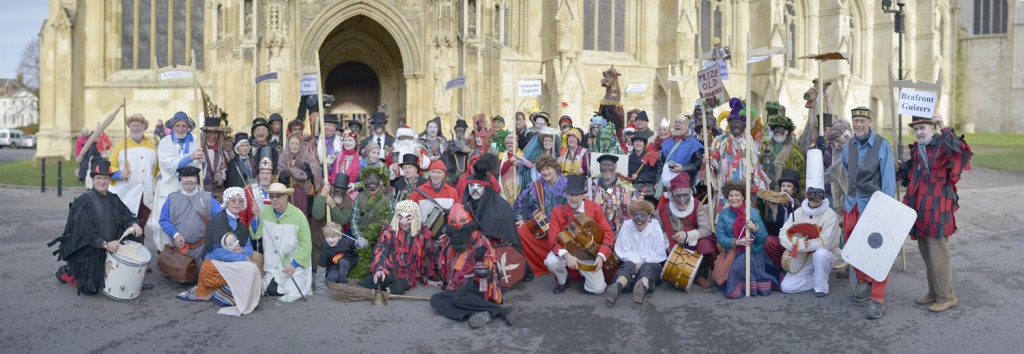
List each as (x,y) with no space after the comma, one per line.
(674,147)
(421,192)
(538,188)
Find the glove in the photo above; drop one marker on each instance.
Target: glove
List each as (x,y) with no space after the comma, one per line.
(362,242)
(692,237)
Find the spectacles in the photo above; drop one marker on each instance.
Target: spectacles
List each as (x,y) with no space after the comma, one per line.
(236,201)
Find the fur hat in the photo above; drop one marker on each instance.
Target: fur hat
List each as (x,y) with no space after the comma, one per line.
(405,132)
(137,117)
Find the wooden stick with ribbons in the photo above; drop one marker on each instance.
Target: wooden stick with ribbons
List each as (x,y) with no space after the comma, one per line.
(323,138)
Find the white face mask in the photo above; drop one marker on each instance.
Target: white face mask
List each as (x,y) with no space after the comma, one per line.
(476,190)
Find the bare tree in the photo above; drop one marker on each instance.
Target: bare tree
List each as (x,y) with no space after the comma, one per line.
(28,68)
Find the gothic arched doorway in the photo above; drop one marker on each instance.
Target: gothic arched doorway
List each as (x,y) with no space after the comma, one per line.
(356,90)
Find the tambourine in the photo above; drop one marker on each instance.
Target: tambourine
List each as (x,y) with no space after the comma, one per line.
(771,196)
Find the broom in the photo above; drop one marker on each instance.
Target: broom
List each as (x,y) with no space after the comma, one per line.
(349,293)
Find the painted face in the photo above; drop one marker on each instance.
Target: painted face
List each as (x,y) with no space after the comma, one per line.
(330,129)
(924,133)
(779,134)
(735,198)
(861,127)
(432,129)
(437,176)
(294,145)
(260,133)
(460,132)
(681,197)
(189,183)
(265,177)
(640,219)
(405,221)
(180,128)
(373,183)
(101,183)
(737,127)
(787,187)
(243,148)
(236,204)
(478,140)
(348,143)
(476,190)
(607,168)
(663,132)
(378,129)
(574,201)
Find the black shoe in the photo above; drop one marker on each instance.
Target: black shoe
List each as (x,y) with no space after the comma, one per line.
(147,286)
(612,294)
(560,288)
(61,271)
(479,319)
(511,314)
(820,294)
(529,275)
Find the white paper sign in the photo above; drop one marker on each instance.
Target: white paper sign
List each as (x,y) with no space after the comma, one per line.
(758,58)
(709,84)
(529,88)
(723,68)
(174,74)
(636,88)
(880,232)
(916,103)
(307,85)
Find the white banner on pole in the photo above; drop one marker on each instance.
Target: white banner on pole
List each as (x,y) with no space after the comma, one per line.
(307,85)
(709,84)
(529,88)
(758,58)
(916,103)
(636,88)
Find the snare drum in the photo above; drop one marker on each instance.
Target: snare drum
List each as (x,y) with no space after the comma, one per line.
(125,270)
(681,267)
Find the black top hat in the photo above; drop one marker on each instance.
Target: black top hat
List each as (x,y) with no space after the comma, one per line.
(790,175)
(340,182)
(461,123)
(332,118)
(608,157)
(410,159)
(378,118)
(100,167)
(211,124)
(276,117)
(355,125)
(240,137)
(188,171)
(577,185)
(258,122)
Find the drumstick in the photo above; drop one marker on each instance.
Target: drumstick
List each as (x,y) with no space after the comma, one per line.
(126,232)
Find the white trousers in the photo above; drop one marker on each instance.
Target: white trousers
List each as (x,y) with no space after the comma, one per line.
(593,282)
(813,276)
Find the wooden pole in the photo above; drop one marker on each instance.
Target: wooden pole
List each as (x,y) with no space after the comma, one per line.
(323,138)
(749,167)
(821,97)
(96,133)
(124,130)
(199,120)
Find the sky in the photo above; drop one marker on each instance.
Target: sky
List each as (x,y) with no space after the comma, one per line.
(20,21)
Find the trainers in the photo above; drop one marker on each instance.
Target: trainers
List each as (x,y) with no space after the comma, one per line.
(924,300)
(875,310)
(943,306)
(864,294)
(612,294)
(639,293)
(511,314)
(479,319)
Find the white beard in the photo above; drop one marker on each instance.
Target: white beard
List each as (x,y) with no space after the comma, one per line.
(405,147)
(779,138)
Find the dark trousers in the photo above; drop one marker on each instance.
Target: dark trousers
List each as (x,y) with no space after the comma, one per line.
(651,271)
(338,273)
(397,286)
(463,302)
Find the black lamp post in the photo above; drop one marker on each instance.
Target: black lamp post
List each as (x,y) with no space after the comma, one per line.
(898,27)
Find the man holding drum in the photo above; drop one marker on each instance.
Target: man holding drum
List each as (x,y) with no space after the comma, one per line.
(96,222)
(687,225)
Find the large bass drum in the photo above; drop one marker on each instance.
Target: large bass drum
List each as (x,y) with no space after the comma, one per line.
(125,270)
(681,267)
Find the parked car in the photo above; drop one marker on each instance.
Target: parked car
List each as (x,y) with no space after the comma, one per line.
(11,138)
(28,142)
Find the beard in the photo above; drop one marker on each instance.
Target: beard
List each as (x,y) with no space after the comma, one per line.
(405,146)
(779,138)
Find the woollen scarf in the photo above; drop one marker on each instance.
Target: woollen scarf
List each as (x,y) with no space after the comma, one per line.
(740,223)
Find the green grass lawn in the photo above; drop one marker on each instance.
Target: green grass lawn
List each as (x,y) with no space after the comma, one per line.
(998,151)
(26,173)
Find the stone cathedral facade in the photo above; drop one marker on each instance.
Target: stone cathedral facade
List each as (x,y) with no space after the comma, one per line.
(97,54)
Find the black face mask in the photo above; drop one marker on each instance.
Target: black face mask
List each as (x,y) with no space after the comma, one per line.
(460,237)
(815,194)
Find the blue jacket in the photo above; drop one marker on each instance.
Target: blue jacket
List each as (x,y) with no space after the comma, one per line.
(723,230)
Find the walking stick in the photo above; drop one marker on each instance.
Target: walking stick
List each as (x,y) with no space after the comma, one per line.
(323,139)
(749,166)
(707,167)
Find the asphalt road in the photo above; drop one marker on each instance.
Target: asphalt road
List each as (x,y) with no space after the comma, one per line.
(11,154)
(38,315)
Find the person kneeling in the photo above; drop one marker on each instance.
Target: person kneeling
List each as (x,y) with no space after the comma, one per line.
(641,245)
(812,231)
(404,253)
(469,273)
(559,259)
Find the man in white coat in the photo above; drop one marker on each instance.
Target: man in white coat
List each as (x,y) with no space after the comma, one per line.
(807,258)
(135,169)
(176,150)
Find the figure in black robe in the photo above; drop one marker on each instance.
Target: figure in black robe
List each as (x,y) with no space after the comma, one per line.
(95,218)
(239,173)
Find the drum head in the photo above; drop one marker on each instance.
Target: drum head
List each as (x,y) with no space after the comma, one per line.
(132,253)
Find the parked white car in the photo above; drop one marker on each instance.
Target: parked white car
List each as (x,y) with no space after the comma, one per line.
(12,138)
(28,142)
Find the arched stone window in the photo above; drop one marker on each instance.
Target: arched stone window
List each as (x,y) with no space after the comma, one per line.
(604,25)
(710,24)
(165,29)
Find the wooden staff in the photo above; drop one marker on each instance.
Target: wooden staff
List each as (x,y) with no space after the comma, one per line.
(323,138)
(749,166)
(199,118)
(707,167)
(124,130)
(96,133)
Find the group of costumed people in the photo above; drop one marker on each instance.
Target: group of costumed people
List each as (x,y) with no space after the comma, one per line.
(281,210)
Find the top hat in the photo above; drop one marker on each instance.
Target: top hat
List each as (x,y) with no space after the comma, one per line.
(577,185)
(790,175)
(258,122)
(100,167)
(340,181)
(378,118)
(410,159)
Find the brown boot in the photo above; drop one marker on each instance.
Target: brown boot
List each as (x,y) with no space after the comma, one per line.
(924,300)
(943,306)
